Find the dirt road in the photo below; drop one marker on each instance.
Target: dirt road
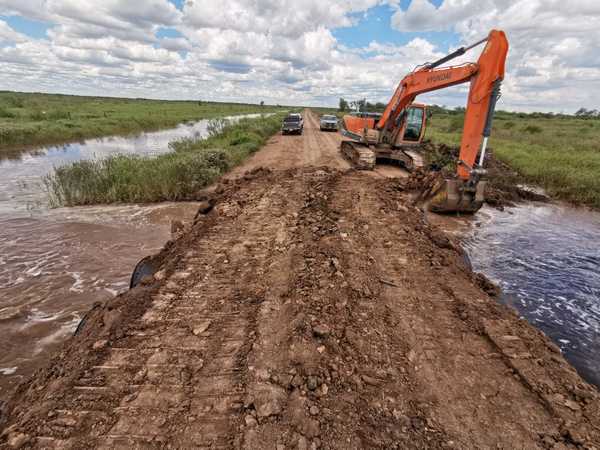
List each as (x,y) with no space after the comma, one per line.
(311,149)
(313,307)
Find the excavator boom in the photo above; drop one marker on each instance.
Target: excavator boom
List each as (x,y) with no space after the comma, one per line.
(485,76)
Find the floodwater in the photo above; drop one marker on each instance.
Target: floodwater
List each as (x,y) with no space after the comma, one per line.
(546,258)
(21,187)
(55,263)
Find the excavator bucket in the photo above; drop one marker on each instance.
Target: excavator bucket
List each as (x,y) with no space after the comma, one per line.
(454,196)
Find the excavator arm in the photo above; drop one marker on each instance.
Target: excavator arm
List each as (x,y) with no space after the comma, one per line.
(485,77)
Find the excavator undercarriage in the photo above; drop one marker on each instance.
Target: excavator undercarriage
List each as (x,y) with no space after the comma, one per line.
(365,157)
(360,156)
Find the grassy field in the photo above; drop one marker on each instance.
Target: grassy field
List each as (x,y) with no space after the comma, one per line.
(560,154)
(179,175)
(28,120)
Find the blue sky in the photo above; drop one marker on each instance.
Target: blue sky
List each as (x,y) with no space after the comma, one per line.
(374,25)
(33,28)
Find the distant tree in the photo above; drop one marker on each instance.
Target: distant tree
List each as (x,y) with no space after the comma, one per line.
(359,105)
(362,105)
(343,105)
(587,113)
(262,103)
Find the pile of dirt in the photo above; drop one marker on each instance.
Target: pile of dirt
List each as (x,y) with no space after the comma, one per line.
(307,309)
(504,186)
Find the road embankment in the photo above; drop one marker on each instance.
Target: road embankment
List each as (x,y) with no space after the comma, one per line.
(310,307)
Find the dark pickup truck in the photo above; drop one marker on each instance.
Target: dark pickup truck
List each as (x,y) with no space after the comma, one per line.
(293,123)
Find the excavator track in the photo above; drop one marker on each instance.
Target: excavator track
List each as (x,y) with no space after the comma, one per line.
(360,156)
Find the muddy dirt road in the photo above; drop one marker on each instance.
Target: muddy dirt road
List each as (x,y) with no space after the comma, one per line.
(313,307)
(311,149)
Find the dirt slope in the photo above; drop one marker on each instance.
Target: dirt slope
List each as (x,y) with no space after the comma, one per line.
(311,308)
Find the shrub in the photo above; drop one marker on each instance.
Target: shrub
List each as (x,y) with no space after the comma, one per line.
(37,115)
(532,129)
(58,115)
(179,175)
(14,101)
(6,114)
(216,126)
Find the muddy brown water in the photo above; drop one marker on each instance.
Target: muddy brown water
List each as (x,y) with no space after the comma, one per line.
(55,263)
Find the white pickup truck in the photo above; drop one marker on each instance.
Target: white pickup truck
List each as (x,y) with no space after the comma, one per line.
(328,122)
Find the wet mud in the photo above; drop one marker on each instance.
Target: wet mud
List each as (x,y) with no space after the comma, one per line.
(310,307)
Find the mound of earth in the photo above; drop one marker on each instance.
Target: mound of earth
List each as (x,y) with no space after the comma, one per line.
(307,308)
(505,186)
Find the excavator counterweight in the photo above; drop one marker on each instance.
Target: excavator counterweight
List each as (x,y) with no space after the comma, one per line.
(400,130)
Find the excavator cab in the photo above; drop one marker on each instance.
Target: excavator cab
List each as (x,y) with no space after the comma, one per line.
(411,126)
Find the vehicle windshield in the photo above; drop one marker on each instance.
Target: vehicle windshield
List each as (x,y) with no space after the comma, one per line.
(292,119)
(329,118)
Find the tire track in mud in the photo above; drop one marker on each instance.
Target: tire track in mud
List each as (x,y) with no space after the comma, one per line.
(313,151)
(325,145)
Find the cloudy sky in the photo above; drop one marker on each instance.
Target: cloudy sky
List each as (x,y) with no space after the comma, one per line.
(294,51)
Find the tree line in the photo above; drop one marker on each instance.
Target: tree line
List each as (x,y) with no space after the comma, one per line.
(361,105)
(587,113)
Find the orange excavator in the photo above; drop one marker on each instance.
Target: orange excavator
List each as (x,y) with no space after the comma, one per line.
(398,133)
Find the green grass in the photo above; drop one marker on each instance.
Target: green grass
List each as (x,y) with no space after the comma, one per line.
(28,120)
(560,154)
(180,175)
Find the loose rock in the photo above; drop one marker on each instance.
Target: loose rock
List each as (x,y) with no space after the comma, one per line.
(321,331)
(269,400)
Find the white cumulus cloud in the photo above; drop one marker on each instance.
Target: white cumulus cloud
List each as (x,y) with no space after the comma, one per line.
(285,51)
(553,62)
